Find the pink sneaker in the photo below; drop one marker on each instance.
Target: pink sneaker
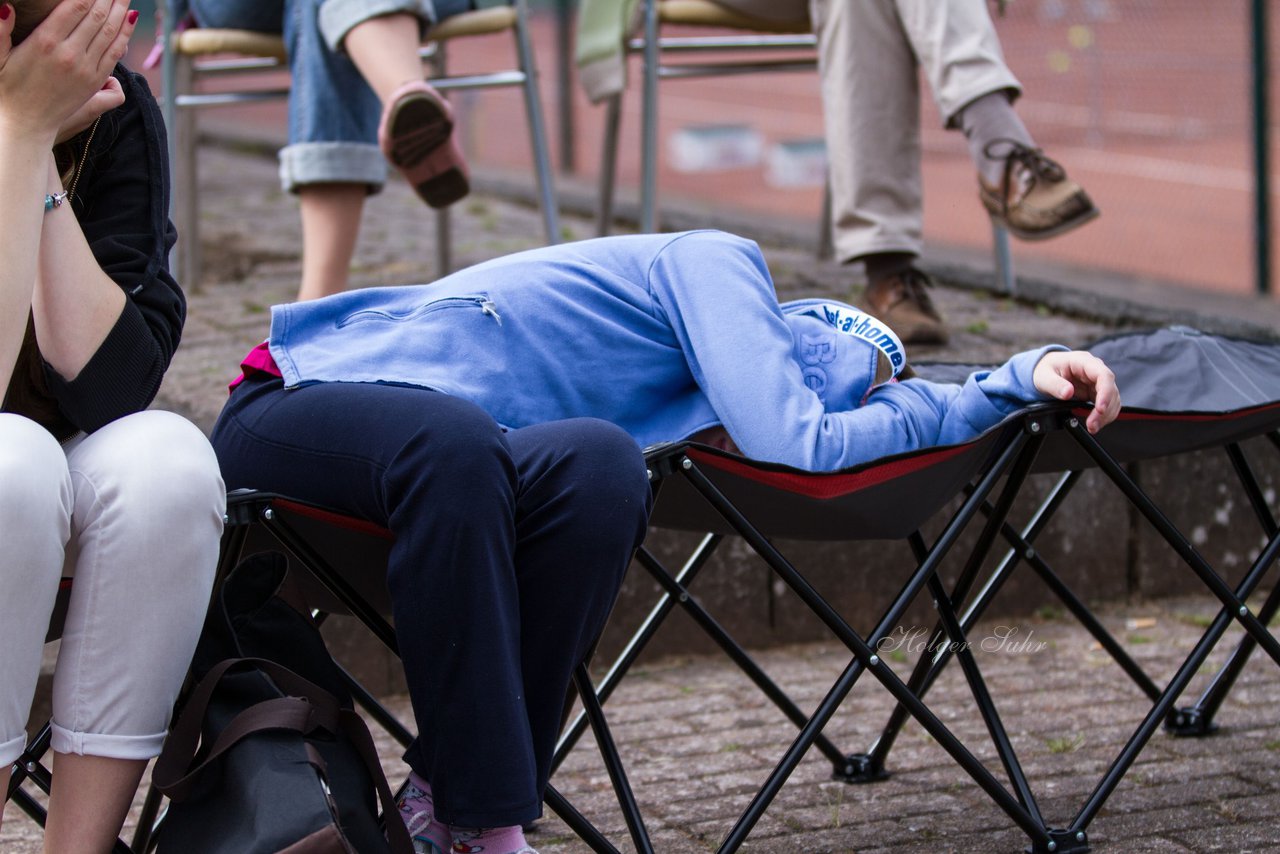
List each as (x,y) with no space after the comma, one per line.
(416,136)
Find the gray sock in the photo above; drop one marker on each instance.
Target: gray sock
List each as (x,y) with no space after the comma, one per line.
(985,120)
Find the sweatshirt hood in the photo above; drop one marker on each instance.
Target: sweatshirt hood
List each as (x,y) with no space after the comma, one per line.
(843,352)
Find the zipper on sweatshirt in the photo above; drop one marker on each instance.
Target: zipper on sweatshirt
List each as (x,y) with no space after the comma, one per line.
(487,307)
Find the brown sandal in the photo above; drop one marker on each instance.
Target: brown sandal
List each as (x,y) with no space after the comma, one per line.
(416,135)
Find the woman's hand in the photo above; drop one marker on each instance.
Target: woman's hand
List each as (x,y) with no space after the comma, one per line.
(110,96)
(1077,375)
(59,71)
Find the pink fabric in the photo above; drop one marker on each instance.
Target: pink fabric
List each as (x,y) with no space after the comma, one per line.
(256,361)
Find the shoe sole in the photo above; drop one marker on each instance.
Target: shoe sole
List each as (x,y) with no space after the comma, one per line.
(1061,228)
(417,127)
(444,189)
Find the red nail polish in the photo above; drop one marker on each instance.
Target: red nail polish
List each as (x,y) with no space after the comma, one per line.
(132,17)
(5,11)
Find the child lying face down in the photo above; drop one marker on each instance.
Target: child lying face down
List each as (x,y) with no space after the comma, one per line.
(493,422)
(669,336)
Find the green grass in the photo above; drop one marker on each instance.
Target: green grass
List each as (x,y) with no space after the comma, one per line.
(1065,744)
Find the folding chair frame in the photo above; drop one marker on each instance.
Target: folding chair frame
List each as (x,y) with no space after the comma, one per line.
(1017,459)
(279,516)
(1196,719)
(179,99)
(1017,445)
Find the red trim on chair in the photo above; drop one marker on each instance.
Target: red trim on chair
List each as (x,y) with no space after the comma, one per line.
(824,485)
(350,523)
(1142,415)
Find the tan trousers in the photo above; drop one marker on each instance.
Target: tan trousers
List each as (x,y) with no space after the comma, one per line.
(869,52)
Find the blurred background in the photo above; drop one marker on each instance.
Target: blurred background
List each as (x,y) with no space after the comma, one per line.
(1154,106)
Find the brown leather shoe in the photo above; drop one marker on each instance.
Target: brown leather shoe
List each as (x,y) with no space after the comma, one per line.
(1035,200)
(902,302)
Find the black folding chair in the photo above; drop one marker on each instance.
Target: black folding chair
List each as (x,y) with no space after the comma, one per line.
(337,565)
(706,490)
(1190,392)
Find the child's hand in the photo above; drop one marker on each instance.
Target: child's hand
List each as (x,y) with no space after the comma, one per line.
(57,71)
(1077,375)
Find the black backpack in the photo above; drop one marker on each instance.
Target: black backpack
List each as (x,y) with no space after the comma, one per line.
(267,753)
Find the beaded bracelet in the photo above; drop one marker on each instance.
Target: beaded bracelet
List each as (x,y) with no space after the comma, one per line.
(54,200)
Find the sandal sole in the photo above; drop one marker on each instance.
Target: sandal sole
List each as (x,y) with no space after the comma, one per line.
(444,189)
(417,127)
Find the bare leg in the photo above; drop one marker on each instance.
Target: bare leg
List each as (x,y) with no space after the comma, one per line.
(330,225)
(90,799)
(385,49)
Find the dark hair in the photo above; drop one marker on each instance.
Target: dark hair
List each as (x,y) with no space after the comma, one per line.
(23,24)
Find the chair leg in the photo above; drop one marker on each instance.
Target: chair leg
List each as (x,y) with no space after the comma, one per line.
(438,67)
(649,123)
(537,127)
(169,99)
(444,243)
(148,819)
(613,762)
(1197,719)
(1005,278)
(608,165)
(826,238)
(186,202)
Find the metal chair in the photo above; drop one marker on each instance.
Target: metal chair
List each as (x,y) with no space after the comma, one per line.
(207,67)
(336,565)
(1209,393)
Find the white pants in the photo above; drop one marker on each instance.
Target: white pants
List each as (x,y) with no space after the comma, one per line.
(134,512)
(869,56)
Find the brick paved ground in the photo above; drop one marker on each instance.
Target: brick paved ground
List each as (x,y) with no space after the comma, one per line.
(696,737)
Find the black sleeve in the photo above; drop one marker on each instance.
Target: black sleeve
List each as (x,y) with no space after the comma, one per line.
(122,203)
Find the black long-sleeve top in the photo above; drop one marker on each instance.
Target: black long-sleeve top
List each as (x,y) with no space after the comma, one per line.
(121,201)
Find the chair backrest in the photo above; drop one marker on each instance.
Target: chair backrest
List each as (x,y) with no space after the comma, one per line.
(215,67)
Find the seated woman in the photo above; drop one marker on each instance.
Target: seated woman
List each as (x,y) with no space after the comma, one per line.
(92,482)
(462,415)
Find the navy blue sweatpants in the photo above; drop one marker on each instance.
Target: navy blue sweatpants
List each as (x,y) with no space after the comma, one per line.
(509,550)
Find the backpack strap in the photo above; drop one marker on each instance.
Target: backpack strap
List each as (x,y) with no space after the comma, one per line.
(307,709)
(397,834)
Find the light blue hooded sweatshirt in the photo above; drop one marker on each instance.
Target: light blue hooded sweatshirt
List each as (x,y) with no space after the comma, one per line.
(662,334)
